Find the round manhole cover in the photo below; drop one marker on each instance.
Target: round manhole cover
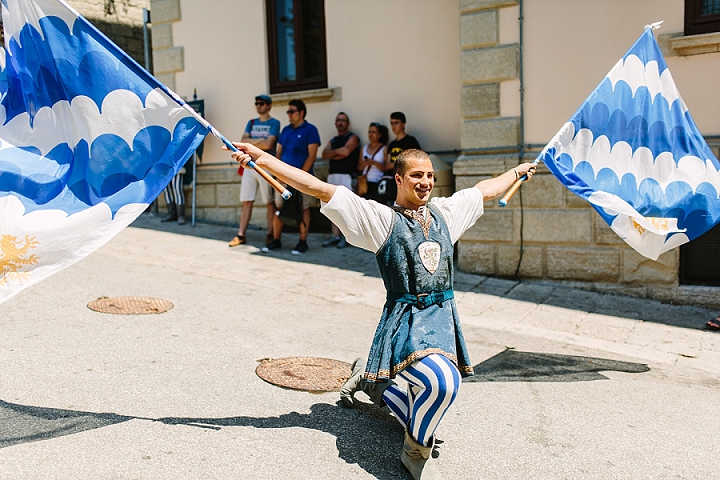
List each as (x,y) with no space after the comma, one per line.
(305,373)
(130,305)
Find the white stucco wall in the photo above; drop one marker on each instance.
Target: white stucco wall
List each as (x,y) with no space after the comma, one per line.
(570,46)
(380,64)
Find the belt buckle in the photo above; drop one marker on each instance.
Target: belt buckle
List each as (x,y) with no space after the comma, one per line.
(422,299)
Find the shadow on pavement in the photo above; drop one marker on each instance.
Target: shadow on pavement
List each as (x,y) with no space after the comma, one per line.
(371,437)
(23,424)
(545,293)
(516,366)
(367,435)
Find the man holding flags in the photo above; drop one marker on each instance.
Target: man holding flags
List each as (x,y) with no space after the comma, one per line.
(419,336)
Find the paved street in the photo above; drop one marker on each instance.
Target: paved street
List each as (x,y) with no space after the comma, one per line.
(570,384)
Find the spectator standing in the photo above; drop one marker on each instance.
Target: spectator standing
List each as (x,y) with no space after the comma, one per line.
(402,142)
(175,199)
(297,146)
(372,164)
(263,132)
(343,152)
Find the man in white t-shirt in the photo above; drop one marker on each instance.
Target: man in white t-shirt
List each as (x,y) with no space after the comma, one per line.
(419,338)
(263,132)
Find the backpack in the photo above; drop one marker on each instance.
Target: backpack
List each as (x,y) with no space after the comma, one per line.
(291,212)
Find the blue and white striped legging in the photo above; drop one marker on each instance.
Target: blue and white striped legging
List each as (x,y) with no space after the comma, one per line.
(433,383)
(174,191)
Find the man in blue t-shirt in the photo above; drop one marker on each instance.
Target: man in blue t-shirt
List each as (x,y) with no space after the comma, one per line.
(263,132)
(297,146)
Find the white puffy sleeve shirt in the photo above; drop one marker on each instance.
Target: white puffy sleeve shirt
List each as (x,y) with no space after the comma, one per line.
(367,224)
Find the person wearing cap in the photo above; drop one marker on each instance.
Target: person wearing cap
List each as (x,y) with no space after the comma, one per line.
(263,132)
(418,338)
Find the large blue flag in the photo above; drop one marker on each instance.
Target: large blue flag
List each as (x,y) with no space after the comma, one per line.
(634,152)
(88,139)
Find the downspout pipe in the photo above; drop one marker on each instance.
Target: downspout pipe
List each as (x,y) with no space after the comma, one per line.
(521,129)
(521,72)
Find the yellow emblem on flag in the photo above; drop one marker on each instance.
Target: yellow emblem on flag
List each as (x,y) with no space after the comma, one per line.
(14,256)
(659,223)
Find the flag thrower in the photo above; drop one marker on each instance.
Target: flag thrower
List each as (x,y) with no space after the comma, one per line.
(514,188)
(266,176)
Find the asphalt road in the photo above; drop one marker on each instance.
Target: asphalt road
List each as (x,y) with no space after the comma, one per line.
(570,384)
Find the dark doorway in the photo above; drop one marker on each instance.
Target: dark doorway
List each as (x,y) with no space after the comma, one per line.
(700,259)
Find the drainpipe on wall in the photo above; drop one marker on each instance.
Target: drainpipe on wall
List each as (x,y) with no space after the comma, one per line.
(146,45)
(146,38)
(521,149)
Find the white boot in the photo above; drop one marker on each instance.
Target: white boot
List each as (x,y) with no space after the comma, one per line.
(352,384)
(418,460)
(356,382)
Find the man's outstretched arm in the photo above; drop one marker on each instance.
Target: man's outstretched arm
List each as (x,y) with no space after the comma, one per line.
(295,177)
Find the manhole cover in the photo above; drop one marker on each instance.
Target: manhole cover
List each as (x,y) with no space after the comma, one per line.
(304,373)
(130,305)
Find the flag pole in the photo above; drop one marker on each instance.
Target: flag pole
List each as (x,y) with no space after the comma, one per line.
(514,188)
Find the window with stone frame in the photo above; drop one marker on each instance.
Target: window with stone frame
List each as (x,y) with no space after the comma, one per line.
(702,16)
(296,45)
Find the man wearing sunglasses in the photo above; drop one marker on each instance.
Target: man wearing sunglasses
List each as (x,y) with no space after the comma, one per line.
(262,132)
(297,146)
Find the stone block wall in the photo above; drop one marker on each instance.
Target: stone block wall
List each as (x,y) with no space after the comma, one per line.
(167,58)
(562,237)
(120,20)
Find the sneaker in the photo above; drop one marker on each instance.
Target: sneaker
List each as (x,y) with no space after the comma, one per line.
(269,239)
(342,243)
(331,241)
(300,248)
(274,245)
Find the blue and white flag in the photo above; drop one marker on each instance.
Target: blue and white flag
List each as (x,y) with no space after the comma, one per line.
(634,152)
(88,139)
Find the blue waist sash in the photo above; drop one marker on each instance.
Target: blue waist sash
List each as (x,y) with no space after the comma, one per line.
(421,300)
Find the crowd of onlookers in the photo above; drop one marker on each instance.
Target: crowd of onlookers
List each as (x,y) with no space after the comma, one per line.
(364,168)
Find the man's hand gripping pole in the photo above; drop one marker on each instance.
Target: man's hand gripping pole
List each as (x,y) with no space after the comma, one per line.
(268,178)
(514,188)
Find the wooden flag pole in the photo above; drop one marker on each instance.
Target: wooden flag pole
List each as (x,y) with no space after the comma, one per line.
(514,188)
(511,191)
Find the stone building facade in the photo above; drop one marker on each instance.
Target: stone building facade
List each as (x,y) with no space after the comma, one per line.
(546,232)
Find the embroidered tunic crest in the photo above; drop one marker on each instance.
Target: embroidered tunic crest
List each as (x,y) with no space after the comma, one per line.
(429,255)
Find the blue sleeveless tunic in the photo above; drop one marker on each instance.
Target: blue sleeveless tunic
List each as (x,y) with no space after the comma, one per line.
(419,317)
